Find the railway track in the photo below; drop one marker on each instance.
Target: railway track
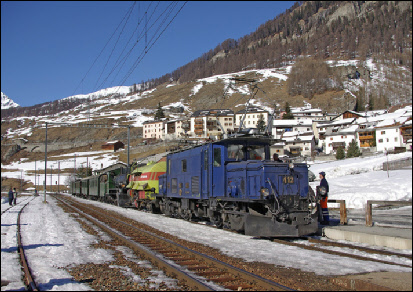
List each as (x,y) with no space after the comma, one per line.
(196,270)
(27,277)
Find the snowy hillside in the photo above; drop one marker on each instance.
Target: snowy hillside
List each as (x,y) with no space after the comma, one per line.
(7,102)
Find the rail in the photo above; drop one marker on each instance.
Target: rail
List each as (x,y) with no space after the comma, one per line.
(343,210)
(369,208)
(31,284)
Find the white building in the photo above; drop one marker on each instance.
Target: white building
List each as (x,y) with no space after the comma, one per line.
(279,127)
(308,114)
(388,137)
(252,116)
(339,137)
(153,129)
(299,145)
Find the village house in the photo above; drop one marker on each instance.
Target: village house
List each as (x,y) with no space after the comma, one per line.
(299,145)
(336,137)
(331,128)
(214,122)
(349,115)
(406,131)
(308,114)
(366,136)
(279,127)
(388,136)
(113,145)
(176,129)
(252,116)
(153,129)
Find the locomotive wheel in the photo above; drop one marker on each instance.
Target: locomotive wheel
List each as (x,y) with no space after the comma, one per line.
(237,222)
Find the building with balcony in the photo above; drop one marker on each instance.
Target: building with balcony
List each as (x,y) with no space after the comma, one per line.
(214,122)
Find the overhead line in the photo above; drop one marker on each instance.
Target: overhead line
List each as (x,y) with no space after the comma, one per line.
(138,61)
(113,49)
(130,51)
(141,37)
(81,81)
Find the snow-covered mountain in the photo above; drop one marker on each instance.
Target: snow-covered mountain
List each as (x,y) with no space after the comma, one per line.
(7,102)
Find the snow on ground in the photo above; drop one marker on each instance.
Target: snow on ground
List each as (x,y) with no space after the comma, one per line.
(357,180)
(54,240)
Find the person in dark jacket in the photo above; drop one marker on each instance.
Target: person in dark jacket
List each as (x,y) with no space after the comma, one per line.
(276,158)
(324,189)
(11,197)
(15,196)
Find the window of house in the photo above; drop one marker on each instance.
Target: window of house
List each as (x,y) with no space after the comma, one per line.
(380,140)
(331,139)
(387,139)
(383,132)
(395,139)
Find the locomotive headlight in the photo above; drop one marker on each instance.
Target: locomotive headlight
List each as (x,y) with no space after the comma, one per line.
(291,165)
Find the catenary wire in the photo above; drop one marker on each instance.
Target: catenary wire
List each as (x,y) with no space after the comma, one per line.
(81,81)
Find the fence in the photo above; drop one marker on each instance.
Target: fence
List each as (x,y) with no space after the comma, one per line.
(397,164)
(343,210)
(369,209)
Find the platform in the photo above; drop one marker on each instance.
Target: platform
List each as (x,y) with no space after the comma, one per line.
(393,237)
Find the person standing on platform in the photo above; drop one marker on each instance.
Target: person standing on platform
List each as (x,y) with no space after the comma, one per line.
(11,197)
(324,189)
(15,196)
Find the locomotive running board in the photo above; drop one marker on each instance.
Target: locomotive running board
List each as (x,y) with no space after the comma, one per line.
(265,227)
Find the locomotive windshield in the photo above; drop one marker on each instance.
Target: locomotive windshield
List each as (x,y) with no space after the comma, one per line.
(246,151)
(256,152)
(236,152)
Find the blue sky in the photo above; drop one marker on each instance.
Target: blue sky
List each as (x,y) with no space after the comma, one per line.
(48,48)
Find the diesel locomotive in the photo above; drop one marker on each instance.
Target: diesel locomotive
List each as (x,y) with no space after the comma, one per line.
(233,183)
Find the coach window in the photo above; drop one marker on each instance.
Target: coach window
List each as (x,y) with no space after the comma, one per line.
(217,157)
(183,165)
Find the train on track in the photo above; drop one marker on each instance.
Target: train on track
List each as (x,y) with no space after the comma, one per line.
(233,183)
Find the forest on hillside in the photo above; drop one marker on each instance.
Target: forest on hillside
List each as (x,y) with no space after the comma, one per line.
(322,29)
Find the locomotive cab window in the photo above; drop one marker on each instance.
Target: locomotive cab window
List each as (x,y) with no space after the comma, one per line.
(236,152)
(183,163)
(256,152)
(217,157)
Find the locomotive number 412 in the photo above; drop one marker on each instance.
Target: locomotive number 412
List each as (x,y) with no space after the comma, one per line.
(288,179)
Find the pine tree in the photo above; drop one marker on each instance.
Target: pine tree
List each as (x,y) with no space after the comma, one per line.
(340,153)
(353,149)
(159,113)
(261,124)
(288,115)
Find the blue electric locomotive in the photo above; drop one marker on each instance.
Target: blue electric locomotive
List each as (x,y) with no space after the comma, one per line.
(234,183)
